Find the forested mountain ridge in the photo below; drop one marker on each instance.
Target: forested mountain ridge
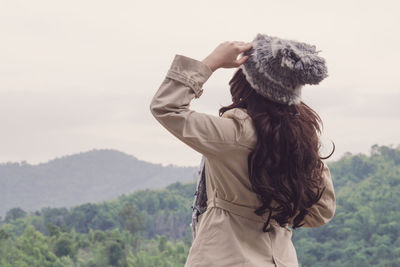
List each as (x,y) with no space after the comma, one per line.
(365,229)
(151,227)
(91,176)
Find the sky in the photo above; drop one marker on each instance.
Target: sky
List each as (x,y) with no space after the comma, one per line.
(80,75)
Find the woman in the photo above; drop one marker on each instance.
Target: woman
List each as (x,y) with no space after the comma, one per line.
(263,172)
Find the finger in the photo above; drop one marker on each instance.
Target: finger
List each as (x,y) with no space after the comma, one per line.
(245,47)
(241,60)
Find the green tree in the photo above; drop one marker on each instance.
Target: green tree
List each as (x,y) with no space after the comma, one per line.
(162,243)
(64,247)
(14,214)
(116,255)
(131,218)
(53,229)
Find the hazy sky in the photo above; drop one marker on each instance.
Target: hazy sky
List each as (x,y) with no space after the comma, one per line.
(78,75)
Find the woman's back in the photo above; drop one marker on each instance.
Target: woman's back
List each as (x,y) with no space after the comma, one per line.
(229,234)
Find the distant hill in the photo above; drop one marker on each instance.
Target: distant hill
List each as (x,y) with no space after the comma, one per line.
(91,176)
(365,230)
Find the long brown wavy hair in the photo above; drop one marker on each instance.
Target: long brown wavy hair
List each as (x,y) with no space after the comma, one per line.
(285,167)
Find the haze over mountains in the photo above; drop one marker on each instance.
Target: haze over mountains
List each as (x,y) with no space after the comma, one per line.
(91,176)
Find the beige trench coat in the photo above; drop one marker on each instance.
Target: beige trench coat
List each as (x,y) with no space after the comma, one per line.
(228,232)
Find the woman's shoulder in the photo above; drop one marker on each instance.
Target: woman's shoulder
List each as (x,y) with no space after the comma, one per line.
(249,137)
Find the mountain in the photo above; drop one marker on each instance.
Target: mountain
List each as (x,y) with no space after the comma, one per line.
(365,229)
(92,176)
(151,227)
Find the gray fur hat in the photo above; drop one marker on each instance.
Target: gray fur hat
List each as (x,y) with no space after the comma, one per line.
(278,68)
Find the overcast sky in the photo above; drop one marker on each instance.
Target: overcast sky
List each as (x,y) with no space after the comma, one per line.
(79,75)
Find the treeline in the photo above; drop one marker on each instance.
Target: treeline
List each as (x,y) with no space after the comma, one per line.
(151,227)
(148,212)
(147,228)
(94,249)
(365,230)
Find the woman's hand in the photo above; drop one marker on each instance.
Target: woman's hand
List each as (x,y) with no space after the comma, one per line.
(225,55)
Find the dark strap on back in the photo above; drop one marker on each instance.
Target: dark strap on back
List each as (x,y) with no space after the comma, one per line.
(200,196)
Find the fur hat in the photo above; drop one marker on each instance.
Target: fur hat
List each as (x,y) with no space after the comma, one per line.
(278,68)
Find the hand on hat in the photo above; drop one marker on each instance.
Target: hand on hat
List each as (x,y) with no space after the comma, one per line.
(226,55)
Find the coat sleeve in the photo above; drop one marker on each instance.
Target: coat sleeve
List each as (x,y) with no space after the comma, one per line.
(209,135)
(324,210)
